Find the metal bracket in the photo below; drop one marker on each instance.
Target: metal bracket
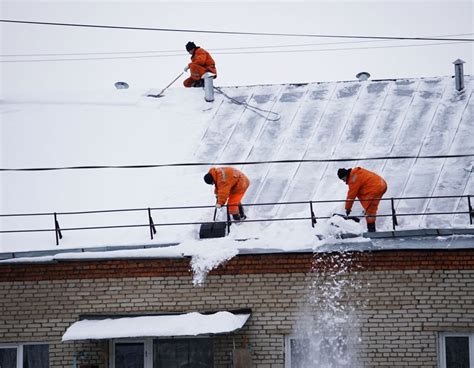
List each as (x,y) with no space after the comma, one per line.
(152,224)
(394,215)
(313,217)
(57,229)
(228,219)
(471,211)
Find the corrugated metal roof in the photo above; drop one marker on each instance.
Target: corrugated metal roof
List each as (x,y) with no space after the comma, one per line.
(408,117)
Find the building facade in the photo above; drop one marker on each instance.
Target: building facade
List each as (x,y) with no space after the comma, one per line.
(409,308)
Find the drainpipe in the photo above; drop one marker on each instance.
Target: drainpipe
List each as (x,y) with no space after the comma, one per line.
(362,76)
(459,74)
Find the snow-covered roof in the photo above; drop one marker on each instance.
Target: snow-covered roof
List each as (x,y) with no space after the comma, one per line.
(339,120)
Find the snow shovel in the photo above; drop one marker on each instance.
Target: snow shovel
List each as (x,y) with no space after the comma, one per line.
(345,217)
(164,89)
(213,229)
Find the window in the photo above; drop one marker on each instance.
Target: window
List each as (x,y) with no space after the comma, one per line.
(129,355)
(183,353)
(8,357)
(24,356)
(457,350)
(297,350)
(162,353)
(328,351)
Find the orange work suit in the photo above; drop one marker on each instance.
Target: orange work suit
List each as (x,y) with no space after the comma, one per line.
(368,187)
(231,185)
(201,62)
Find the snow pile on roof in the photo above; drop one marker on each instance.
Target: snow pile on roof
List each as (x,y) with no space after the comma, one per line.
(318,121)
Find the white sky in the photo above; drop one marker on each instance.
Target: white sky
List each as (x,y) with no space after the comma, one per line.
(377,18)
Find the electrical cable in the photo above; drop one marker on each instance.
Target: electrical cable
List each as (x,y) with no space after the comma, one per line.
(90,167)
(209,49)
(252,108)
(82,25)
(232,53)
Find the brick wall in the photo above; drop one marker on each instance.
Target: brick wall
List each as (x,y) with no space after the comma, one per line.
(407,298)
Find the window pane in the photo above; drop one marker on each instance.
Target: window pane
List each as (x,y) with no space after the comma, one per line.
(183,353)
(201,353)
(457,351)
(299,350)
(129,355)
(35,356)
(7,357)
(322,352)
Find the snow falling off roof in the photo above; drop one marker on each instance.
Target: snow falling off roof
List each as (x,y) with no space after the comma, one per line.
(189,324)
(338,120)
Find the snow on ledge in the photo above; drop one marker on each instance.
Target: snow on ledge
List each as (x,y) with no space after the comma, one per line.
(189,324)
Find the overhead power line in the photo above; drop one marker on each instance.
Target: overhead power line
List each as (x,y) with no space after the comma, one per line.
(213,50)
(82,25)
(151,166)
(229,53)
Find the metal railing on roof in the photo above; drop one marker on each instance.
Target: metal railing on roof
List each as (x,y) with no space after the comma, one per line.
(151,225)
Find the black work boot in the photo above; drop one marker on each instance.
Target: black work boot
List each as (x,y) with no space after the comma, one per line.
(241,212)
(236,217)
(371,227)
(198,83)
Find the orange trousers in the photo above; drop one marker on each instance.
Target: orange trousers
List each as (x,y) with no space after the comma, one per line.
(371,206)
(197,72)
(233,203)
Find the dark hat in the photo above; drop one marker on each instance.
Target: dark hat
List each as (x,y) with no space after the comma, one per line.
(208,178)
(190,45)
(342,173)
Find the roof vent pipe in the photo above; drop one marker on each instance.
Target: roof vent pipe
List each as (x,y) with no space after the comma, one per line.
(362,76)
(459,74)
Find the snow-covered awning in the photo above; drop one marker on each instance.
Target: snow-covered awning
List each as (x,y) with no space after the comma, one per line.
(188,324)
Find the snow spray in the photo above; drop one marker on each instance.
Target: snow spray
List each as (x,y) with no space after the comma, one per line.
(328,334)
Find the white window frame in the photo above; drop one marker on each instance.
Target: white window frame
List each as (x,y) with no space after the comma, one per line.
(19,350)
(442,347)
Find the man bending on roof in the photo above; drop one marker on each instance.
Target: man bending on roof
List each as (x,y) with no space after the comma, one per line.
(368,187)
(230,186)
(201,63)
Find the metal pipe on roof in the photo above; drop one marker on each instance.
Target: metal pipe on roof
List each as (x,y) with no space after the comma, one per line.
(459,74)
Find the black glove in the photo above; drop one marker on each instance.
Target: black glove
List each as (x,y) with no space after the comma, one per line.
(348,212)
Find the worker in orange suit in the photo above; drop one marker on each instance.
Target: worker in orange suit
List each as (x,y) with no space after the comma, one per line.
(201,63)
(230,186)
(368,187)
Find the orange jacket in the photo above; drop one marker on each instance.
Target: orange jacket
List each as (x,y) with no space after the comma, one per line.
(202,58)
(228,181)
(364,184)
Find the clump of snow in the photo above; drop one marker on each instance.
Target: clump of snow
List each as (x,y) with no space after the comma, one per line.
(329,320)
(209,256)
(336,226)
